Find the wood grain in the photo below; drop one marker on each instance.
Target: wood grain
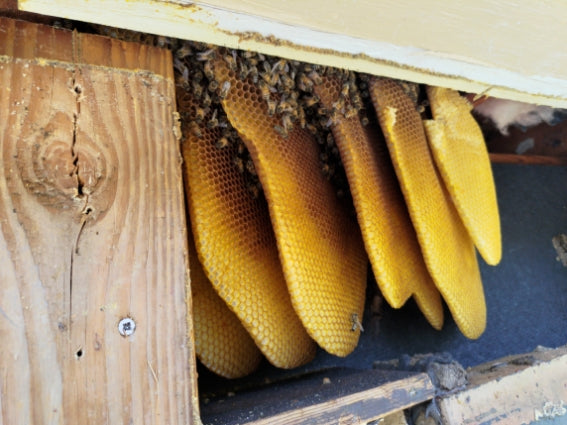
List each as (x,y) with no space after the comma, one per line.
(526,388)
(334,396)
(92,230)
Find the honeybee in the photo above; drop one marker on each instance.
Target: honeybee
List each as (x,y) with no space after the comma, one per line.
(195,130)
(287,82)
(222,143)
(330,140)
(208,70)
(206,100)
(197,89)
(284,106)
(311,128)
(364,120)
(356,100)
(253,72)
(267,67)
(265,89)
(241,147)
(355,323)
(328,171)
(213,121)
(309,101)
(287,123)
(243,71)
(239,163)
(200,114)
(350,112)
(339,104)
(301,117)
(345,90)
(183,51)
(231,61)
(213,86)
(254,189)
(315,77)
(180,81)
(250,167)
(224,89)
(197,76)
(304,83)
(333,119)
(271,106)
(280,65)
(206,55)
(281,131)
(271,79)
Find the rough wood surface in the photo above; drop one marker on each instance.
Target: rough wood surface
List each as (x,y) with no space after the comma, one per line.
(506,49)
(528,388)
(92,230)
(336,396)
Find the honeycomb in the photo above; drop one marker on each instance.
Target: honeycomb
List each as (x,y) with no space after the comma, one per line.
(446,246)
(388,234)
(221,342)
(460,154)
(236,246)
(320,245)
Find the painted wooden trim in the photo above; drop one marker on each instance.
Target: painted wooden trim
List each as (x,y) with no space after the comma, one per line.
(503,49)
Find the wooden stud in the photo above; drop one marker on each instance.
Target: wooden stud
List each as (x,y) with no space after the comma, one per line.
(93,262)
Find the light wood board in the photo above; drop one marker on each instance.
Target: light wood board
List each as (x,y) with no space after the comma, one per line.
(505,49)
(527,388)
(92,231)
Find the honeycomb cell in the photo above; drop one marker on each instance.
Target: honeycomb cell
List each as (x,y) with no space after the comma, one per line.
(221,342)
(447,248)
(388,233)
(460,154)
(320,246)
(237,248)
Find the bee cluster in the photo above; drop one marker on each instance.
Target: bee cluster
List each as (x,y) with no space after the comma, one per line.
(286,88)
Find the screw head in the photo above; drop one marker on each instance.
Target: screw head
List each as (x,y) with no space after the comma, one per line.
(126,326)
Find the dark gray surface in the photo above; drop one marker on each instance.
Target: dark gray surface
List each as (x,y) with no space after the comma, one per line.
(526,294)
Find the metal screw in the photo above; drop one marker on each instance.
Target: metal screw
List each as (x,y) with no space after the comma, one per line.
(126,326)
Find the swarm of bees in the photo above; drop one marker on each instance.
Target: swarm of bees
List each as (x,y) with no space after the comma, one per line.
(286,88)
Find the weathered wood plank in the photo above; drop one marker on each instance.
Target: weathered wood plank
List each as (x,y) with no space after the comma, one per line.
(517,389)
(343,396)
(503,49)
(92,231)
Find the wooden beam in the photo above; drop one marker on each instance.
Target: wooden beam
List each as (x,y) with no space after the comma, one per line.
(93,262)
(343,396)
(502,49)
(527,388)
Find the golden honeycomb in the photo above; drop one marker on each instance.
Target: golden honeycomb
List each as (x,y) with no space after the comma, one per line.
(237,249)
(320,245)
(445,243)
(221,342)
(461,156)
(388,234)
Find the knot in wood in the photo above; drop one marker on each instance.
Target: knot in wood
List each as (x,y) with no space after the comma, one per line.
(61,166)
